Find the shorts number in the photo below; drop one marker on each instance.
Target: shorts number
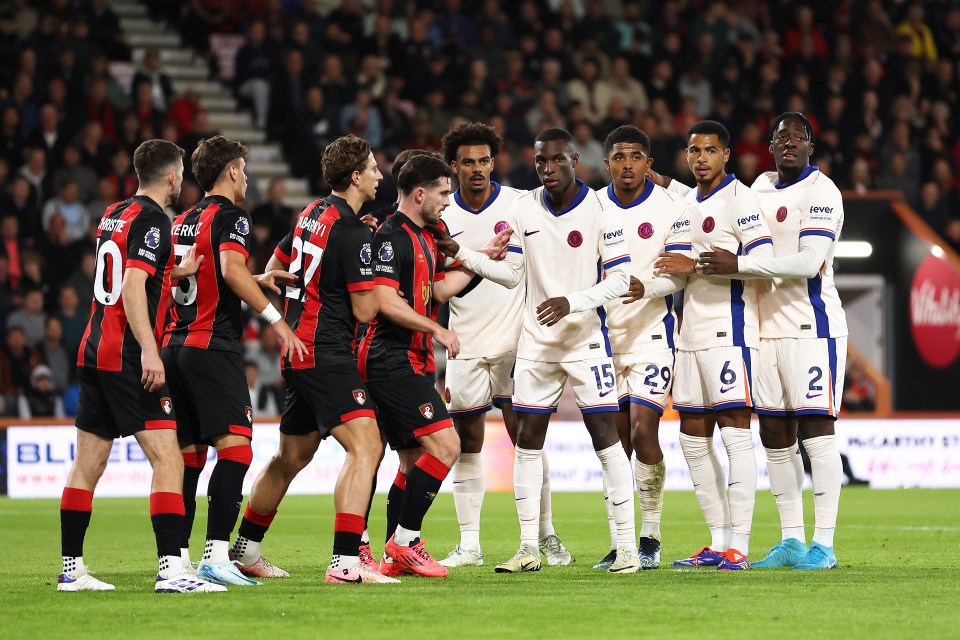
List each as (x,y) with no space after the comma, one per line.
(180,296)
(817,374)
(300,248)
(727,376)
(608,380)
(114,279)
(653,370)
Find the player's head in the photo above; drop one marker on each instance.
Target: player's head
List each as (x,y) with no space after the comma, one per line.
(627,156)
(403,158)
(424,182)
(160,162)
(791,142)
(708,149)
(219,163)
(555,159)
(347,163)
(470,150)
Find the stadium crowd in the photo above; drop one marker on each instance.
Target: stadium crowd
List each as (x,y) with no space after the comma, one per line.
(878,80)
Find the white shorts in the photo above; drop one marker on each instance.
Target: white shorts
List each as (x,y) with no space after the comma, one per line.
(476,384)
(714,379)
(538,385)
(801,376)
(644,377)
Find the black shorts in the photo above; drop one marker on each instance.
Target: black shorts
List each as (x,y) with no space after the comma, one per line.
(210,391)
(408,407)
(324,397)
(113,404)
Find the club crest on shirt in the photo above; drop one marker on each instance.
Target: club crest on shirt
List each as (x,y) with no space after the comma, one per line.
(152,239)
(249,411)
(366,255)
(242,226)
(166,405)
(645,230)
(426,409)
(708,224)
(385,254)
(575,239)
(500,226)
(359,396)
(781,214)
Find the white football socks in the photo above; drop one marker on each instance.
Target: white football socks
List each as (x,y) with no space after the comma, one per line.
(708,483)
(650,479)
(546,500)
(216,551)
(611,523)
(405,537)
(742,484)
(785,469)
(365,537)
(338,562)
(170,566)
(73,566)
(827,472)
(468,498)
(528,483)
(245,550)
(619,487)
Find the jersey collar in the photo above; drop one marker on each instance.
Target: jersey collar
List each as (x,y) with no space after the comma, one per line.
(644,194)
(339,202)
(730,178)
(146,201)
(803,175)
(584,189)
(463,205)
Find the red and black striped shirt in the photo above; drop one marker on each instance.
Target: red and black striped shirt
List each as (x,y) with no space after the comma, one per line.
(405,257)
(329,249)
(207,313)
(133,234)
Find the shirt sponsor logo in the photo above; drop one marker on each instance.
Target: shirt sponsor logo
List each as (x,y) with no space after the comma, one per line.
(240,239)
(613,234)
(148,255)
(152,239)
(748,219)
(821,209)
(386,252)
(575,239)
(681,224)
(646,230)
(366,254)
(385,268)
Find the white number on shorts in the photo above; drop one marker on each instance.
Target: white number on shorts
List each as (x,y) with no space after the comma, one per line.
(299,249)
(180,296)
(114,278)
(653,370)
(817,374)
(608,379)
(727,376)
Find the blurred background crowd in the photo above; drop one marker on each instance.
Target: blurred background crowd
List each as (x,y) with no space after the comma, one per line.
(878,80)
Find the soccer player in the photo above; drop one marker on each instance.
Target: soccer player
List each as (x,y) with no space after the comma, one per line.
(803,340)
(562,239)
(397,349)
(716,348)
(123,387)
(642,334)
(329,250)
(487,321)
(202,349)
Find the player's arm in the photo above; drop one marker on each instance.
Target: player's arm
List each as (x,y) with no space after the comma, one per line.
(668,183)
(134,296)
(188,266)
(458,280)
(507,272)
(762,263)
(394,308)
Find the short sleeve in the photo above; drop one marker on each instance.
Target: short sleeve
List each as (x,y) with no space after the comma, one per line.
(356,258)
(822,214)
(284,250)
(678,238)
(613,242)
(234,232)
(388,257)
(751,226)
(149,242)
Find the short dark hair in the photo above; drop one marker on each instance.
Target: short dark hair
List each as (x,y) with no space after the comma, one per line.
(153,158)
(422,171)
(792,115)
(341,158)
(212,156)
(625,134)
(555,133)
(404,157)
(470,134)
(711,127)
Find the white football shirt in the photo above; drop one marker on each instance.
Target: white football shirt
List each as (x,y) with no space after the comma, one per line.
(487,319)
(809,205)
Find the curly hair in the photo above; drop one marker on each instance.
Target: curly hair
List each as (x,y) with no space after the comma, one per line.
(341,158)
(212,156)
(470,134)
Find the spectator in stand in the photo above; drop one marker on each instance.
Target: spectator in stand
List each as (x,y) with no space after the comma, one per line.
(95,151)
(130,135)
(591,168)
(30,318)
(106,195)
(337,89)
(263,397)
(265,353)
(62,362)
(161,86)
(121,174)
(524,175)
(922,43)
(254,69)
(895,178)
(619,84)
(99,70)
(585,89)
(287,99)
(105,29)
(99,109)
(149,118)
(12,248)
(17,360)
(68,206)
(73,170)
(70,112)
(274,214)
(11,140)
(73,318)
(41,398)
(81,280)
(183,110)
(49,136)
(859,393)
(362,118)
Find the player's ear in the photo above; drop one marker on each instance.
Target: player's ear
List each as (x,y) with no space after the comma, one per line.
(606,163)
(574,159)
(355,178)
(770,148)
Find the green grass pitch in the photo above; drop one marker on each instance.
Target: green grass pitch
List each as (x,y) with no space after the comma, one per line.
(898,578)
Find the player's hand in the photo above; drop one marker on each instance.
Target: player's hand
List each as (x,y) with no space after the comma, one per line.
(445,243)
(271,279)
(496,248)
(659,179)
(674,264)
(188,266)
(635,292)
(552,310)
(370,221)
(449,340)
(718,262)
(153,375)
(290,343)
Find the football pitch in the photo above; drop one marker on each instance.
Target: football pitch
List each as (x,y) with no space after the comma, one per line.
(898,577)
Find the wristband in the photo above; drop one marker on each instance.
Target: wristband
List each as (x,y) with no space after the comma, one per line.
(270,314)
